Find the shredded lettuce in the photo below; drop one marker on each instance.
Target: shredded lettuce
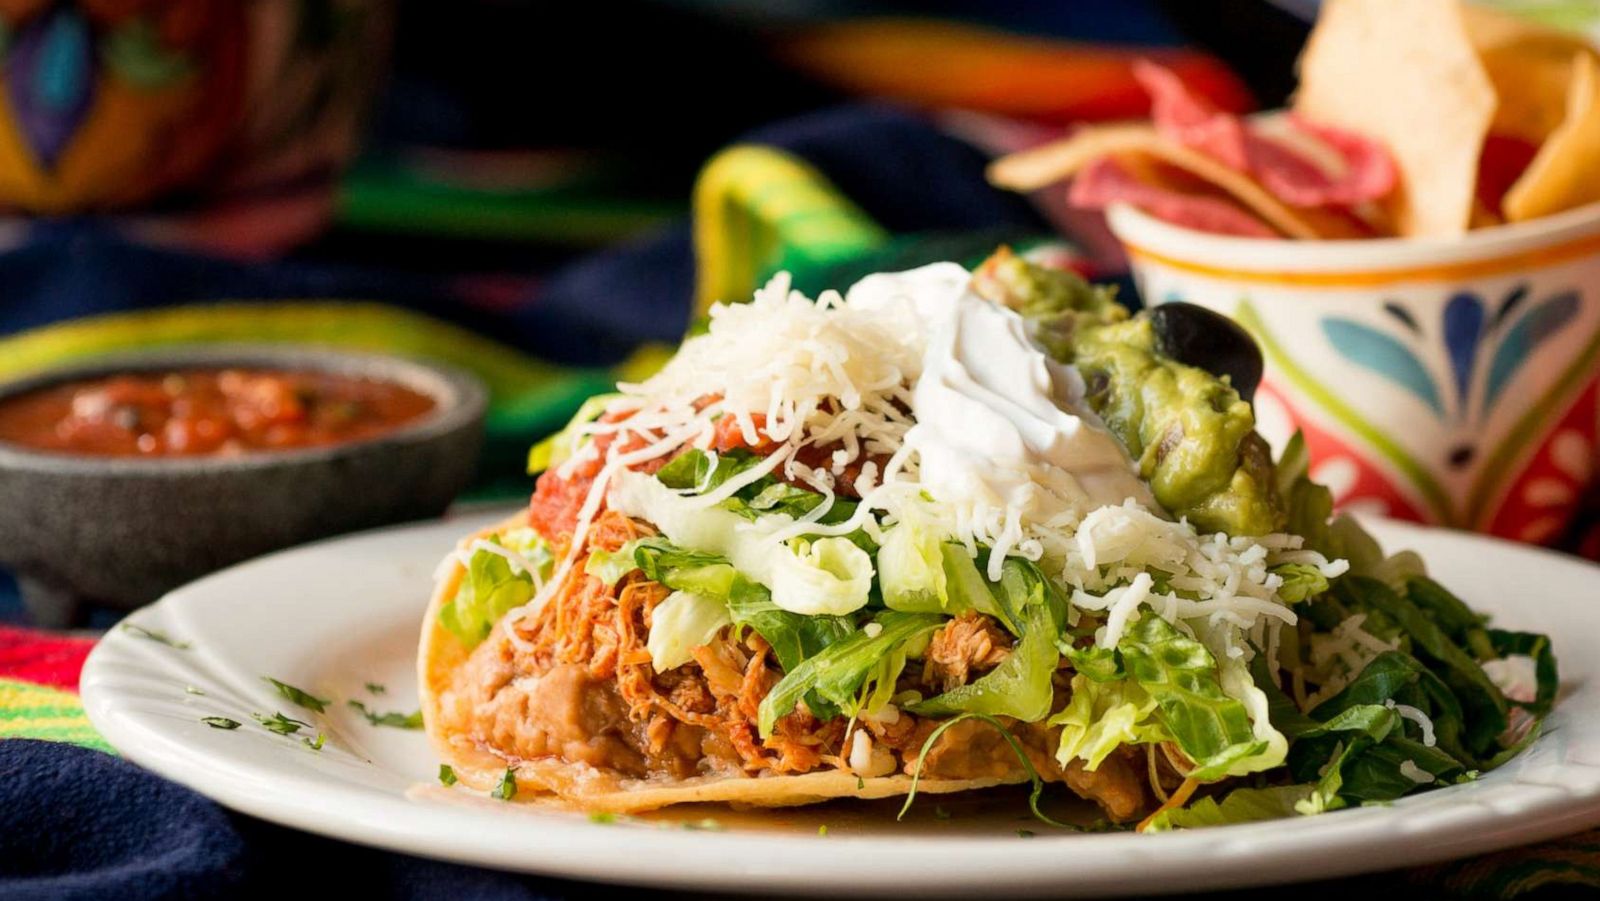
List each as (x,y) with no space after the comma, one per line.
(1301,581)
(610,566)
(492,588)
(556,449)
(697,472)
(1484,708)
(1310,508)
(911,570)
(1213,729)
(1242,805)
(822,576)
(1102,716)
(681,623)
(793,637)
(1095,662)
(839,673)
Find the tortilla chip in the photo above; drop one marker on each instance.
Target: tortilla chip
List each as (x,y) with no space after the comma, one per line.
(1407,75)
(1531,69)
(1030,170)
(440,654)
(1563,174)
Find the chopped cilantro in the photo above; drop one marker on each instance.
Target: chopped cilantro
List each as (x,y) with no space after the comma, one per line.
(393,718)
(376,688)
(603,817)
(860,783)
(194,690)
(1024,833)
(706,825)
(279,723)
(220,722)
(823,830)
(447,774)
(157,637)
(507,789)
(317,744)
(298,696)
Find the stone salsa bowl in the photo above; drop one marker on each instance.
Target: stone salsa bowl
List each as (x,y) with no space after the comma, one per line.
(120,531)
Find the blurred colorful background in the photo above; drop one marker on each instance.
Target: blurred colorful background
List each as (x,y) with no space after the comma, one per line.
(522,188)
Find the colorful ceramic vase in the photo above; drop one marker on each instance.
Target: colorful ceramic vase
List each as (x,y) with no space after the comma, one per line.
(1452,382)
(117,105)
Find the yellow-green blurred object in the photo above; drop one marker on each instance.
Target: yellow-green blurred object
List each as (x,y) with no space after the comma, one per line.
(757,209)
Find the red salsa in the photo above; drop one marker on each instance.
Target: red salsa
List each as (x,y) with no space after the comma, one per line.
(206,412)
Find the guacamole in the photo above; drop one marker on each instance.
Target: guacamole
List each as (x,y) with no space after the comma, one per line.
(1192,435)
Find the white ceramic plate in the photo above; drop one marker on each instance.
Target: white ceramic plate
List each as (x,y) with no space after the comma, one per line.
(333,616)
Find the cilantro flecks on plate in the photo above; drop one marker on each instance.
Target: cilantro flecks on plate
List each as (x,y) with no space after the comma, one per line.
(279,723)
(394,718)
(298,696)
(156,636)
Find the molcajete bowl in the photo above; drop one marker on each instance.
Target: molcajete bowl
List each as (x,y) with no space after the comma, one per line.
(1453,381)
(121,531)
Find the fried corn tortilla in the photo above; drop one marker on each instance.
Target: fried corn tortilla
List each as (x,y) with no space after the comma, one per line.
(1407,75)
(1531,68)
(1042,166)
(1563,174)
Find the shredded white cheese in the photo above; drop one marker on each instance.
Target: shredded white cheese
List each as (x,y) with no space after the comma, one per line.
(1416,716)
(841,386)
(1410,770)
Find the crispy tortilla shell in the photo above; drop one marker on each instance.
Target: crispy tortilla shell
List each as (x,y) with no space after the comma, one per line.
(1040,167)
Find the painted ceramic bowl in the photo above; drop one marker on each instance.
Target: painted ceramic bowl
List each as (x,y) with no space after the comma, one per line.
(1452,382)
(232,117)
(122,531)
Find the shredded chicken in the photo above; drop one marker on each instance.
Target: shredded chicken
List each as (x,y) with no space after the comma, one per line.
(968,645)
(580,686)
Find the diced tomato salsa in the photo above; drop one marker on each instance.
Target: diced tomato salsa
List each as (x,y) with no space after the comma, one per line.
(206,412)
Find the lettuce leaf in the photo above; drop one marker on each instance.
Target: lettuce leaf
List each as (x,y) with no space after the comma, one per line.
(492,588)
(681,623)
(911,572)
(1530,644)
(556,449)
(1484,708)
(1368,761)
(1102,716)
(1213,729)
(920,572)
(821,576)
(1019,687)
(839,673)
(1301,581)
(1242,805)
(1096,663)
(696,472)
(610,566)
(793,637)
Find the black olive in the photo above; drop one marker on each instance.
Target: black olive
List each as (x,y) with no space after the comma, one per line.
(1198,337)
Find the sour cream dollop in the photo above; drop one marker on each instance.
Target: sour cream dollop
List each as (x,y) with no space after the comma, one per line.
(999,423)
